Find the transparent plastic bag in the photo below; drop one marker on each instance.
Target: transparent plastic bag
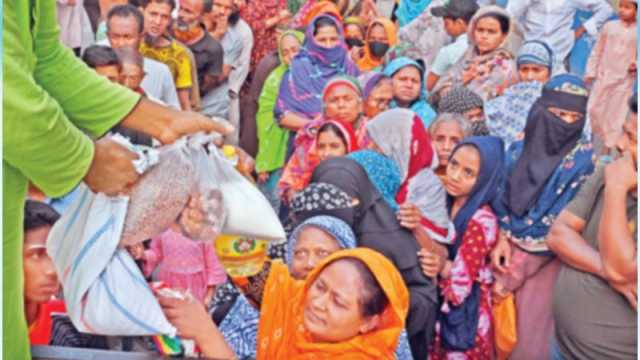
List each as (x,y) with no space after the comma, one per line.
(181,180)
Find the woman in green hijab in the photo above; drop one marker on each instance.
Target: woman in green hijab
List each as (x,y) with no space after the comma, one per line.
(272,139)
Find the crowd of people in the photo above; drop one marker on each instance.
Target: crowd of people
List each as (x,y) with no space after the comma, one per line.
(431,161)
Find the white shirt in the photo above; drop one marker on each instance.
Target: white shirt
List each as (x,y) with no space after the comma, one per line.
(551,21)
(241,68)
(449,55)
(157,82)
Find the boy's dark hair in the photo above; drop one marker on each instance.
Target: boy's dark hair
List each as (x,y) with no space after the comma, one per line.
(125,11)
(38,214)
(99,55)
(633,103)
(144,3)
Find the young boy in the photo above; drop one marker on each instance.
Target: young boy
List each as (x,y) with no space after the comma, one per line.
(457,14)
(48,324)
(105,62)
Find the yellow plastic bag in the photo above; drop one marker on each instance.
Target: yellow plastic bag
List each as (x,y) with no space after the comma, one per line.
(504,325)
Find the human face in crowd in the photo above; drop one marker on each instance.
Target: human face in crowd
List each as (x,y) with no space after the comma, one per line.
(190,12)
(445,137)
(157,17)
(488,35)
(313,245)
(327,37)
(131,76)
(290,47)
(343,103)
(406,85)
(627,11)
(378,34)
(379,98)
(533,72)
(123,32)
(462,171)
(330,144)
(332,311)
(353,31)
(454,27)
(569,117)
(40,279)
(111,72)
(474,115)
(628,142)
(222,8)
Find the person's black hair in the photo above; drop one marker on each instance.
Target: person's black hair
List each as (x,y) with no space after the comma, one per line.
(331,127)
(323,22)
(125,11)
(38,214)
(145,3)
(372,300)
(503,20)
(99,55)
(207,6)
(633,103)
(234,17)
(466,17)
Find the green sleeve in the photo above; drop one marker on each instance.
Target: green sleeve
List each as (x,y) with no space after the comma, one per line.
(90,101)
(38,138)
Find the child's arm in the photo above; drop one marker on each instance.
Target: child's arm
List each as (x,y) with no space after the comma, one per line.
(214,271)
(596,57)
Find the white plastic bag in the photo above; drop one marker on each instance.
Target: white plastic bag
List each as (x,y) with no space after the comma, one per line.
(104,291)
(248,211)
(163,192)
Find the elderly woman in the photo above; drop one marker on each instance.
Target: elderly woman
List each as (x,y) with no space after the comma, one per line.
(298,318)
(446,132)
(487,67)
(545,171)
(342,104)
(377,92)
(506,115)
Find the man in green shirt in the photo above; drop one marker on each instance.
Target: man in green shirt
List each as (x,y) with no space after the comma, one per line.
(53,106)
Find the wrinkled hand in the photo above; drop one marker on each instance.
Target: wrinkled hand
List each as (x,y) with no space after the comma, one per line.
(431,263)
(246,163)
(501,252)
(111,171)
(621,174)
(188,316)
(188,122)
(409,216)
(136,251)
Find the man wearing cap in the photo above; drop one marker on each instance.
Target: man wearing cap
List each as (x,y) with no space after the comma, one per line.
(457,14)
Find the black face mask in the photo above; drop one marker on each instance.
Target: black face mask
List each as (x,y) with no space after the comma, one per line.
(378,49)
(351,42)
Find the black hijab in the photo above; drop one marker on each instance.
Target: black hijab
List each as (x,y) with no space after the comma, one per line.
(547,140)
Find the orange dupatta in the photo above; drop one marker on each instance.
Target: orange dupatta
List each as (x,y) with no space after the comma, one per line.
(368,62)
(281,333)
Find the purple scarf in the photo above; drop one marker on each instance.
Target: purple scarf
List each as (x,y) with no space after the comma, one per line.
(302,85)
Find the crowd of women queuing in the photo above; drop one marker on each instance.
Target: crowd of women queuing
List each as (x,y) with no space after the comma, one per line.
(431,163)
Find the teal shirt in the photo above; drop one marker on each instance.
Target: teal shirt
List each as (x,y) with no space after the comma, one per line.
(51,102)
